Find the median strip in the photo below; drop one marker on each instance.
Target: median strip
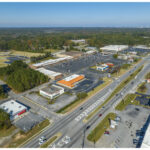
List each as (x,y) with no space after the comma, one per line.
(117,89)
(51,140)
(99,130)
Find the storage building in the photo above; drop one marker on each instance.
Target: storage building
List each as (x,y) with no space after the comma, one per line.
(51,92)
(51,74)
(113,48)
(13,108)
(71,81)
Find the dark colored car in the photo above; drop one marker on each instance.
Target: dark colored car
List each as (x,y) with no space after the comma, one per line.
(88,127)
(106,132)
(81,108)
(100,115)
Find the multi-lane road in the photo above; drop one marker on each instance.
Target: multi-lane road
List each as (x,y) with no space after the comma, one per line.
(72,124)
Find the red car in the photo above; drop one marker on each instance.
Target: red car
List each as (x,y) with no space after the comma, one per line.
(100,115)
(106,132)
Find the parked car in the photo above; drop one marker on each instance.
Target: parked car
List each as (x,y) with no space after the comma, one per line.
(106,132)
(88,127)
(100,115)
(135,141)
(81,108)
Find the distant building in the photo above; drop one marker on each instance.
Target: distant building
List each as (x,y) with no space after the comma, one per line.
(110,64)
(51,74)
(82,41)
(71,81)
(73,54)
(90,48)
(113,48)
(13,108)
(91,52)
(51,92)
(50,62)
(102,67)
(141,47)
(148,80)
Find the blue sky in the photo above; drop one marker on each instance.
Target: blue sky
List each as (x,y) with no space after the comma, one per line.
(74,14)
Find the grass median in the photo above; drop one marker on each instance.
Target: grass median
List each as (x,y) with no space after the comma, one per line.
(99,130)
(117,89)
(50,141)
(20,137)
(77,102)
(129,99)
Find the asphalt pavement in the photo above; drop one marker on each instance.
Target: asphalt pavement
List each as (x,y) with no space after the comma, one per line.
(69,126)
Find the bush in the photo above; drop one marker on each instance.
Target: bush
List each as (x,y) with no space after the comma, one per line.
(81,95)
(4,120)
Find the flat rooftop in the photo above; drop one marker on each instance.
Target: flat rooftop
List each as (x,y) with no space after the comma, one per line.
(73,53)
(114,47)
(12,107)
(51,61)
(48,72)
(52,89)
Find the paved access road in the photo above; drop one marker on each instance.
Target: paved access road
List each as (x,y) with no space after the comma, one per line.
(68,124)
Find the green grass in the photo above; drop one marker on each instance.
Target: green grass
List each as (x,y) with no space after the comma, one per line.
(45,145)
(129,99)
(7,132)
(99,130)
(21,137)
(117,89)
(142,88)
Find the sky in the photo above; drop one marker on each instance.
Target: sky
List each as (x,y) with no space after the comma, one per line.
(65,14)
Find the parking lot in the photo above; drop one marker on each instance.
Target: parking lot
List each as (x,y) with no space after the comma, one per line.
(125,135)
(82,66)
(60,101)
(28,121)
(138,50)
(76,65)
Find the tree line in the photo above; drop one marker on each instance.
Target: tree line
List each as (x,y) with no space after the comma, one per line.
(20,77)
(38,40)
(41,57)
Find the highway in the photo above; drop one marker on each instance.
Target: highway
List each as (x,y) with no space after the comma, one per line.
(69,126)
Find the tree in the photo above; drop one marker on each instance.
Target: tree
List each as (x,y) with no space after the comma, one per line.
(115,56)
(4,120)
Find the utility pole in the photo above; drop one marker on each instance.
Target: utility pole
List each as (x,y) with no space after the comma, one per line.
(84,129)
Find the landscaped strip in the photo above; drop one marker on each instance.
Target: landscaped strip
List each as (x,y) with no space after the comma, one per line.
(51,140)
(129,99)
(101,128)
(117,89)
(142,88)
(21,137)
(77,102)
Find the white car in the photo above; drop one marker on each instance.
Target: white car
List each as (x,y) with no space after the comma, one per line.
(66,139)
(42,138)
(41,142)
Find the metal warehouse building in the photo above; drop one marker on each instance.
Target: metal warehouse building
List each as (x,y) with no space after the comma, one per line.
(51,74)
(52,92)
(13,108)
(71,81)
(113,48)
(50,62)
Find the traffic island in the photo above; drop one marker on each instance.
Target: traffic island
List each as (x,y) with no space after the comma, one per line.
(100,129)
(51,140)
